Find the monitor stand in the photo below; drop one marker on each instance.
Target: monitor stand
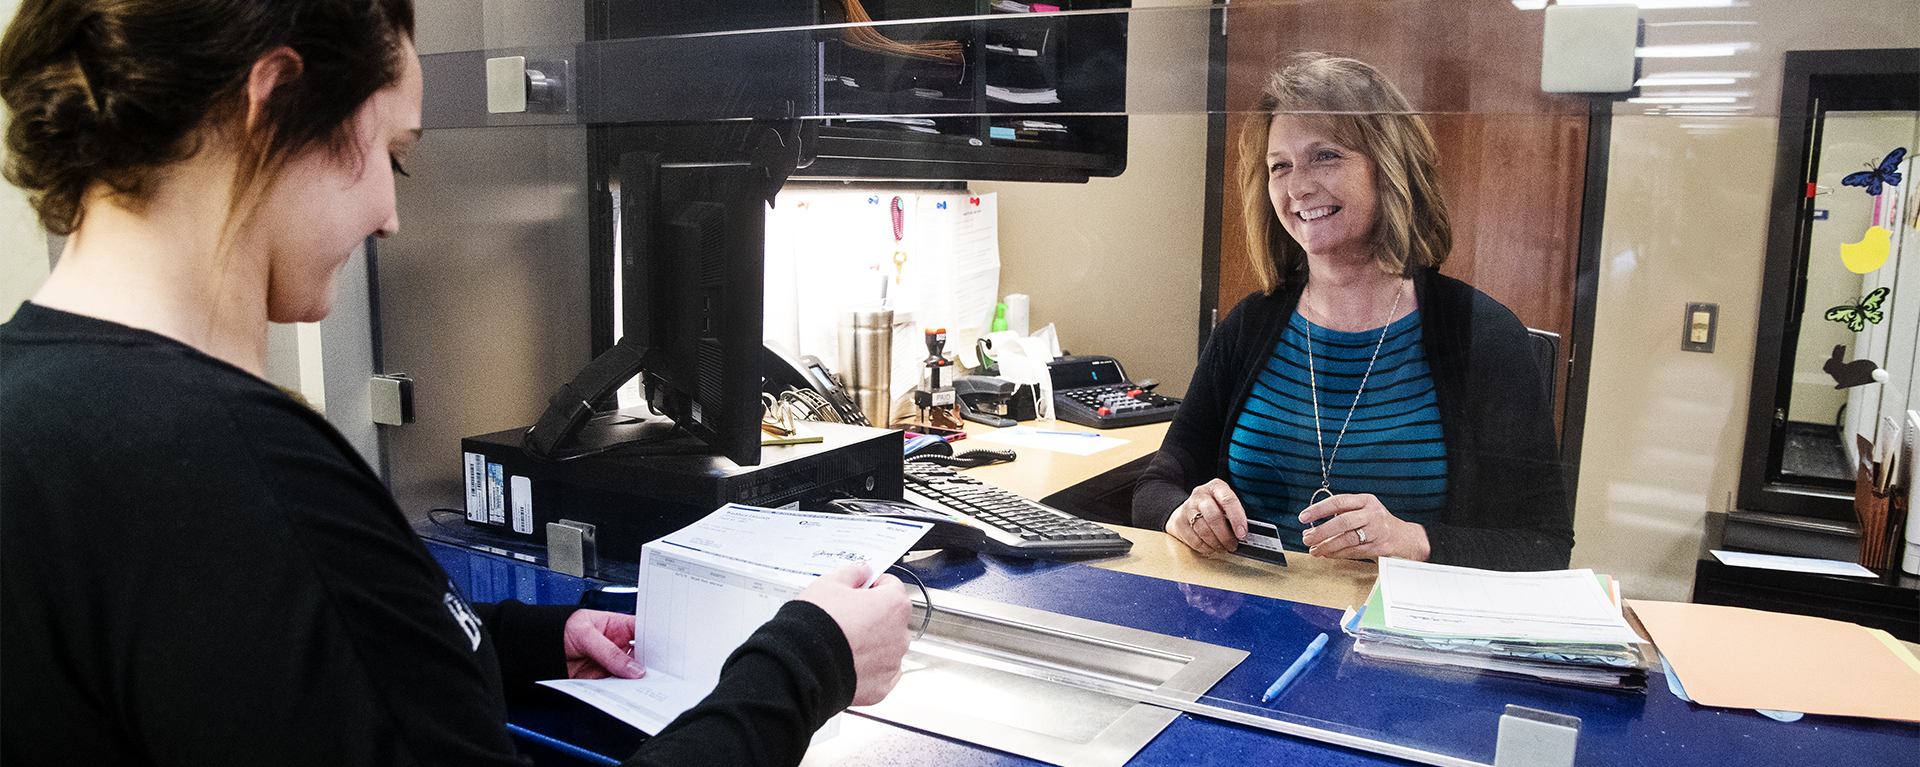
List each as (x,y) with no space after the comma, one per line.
(632,430)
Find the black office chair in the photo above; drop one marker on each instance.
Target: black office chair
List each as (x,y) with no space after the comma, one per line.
(1545,345)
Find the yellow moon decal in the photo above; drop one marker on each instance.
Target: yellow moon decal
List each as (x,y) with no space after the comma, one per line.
(1869,253)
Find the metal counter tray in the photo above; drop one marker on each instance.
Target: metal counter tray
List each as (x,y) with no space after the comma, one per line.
(1042,685)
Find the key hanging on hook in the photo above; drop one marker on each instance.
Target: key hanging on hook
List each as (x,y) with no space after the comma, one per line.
(898,211)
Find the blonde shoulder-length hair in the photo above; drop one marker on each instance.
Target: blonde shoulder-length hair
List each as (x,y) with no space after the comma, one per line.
(1355,105)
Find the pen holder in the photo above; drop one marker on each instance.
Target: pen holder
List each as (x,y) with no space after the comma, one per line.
(1880,521)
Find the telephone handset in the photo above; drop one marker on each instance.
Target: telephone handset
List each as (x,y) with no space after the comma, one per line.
(781,371)
(966,460)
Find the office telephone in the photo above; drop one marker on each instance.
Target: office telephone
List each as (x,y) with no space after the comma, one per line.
(785,375)
(1092,390)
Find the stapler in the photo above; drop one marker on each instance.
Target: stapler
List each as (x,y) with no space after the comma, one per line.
(993,401)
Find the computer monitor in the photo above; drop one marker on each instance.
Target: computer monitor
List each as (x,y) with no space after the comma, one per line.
(691,250)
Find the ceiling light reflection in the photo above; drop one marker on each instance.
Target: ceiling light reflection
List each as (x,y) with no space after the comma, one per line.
(1656,4)
(1701,23)
(1690,51)
(1734,75)
(1671,80)
(1682,100)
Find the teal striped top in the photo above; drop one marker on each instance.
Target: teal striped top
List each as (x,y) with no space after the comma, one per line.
(1393,448)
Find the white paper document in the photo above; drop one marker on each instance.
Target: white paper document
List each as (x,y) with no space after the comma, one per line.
(1553,606)
(1793,564)
(705,588)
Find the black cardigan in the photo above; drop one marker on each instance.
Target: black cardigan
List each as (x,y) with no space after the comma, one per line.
(1506,507)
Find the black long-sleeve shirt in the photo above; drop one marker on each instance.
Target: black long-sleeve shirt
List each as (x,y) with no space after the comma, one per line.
(195,569)
(1506,505)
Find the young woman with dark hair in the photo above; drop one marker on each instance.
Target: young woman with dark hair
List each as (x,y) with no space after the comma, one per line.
(195,568)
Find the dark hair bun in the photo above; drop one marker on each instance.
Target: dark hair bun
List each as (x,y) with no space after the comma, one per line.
(114,92)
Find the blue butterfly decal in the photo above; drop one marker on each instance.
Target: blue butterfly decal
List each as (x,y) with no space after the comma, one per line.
(1856,316)
(1885,174)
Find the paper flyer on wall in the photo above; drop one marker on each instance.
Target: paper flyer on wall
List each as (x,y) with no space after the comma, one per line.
(831,250)
(706,587)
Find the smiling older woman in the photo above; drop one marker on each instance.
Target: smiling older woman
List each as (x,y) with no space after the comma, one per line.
(1363,403)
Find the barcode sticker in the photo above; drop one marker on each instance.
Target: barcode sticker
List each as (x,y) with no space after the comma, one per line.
(496,494)
(522,491)
(476,487)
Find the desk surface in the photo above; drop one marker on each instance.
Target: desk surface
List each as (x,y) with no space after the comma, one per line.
(1040,473)
(1335,583)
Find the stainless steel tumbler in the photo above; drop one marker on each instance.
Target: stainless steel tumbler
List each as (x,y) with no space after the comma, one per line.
(866,361)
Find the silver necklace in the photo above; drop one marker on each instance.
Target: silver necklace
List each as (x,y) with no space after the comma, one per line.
(1313,386)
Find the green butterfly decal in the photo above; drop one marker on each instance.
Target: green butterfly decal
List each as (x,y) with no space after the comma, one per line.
(1857,316)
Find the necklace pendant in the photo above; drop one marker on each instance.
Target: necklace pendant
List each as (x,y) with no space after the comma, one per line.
(1319,495)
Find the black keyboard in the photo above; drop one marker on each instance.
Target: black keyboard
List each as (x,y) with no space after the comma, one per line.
(1112,406)
(1014,525)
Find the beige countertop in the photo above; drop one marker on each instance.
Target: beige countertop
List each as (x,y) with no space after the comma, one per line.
(1040,473)
(1336,583)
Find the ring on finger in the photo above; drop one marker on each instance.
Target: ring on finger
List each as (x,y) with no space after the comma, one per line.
(1197,516)
(1361,533)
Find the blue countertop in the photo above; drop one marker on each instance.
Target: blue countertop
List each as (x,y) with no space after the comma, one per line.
(1443,710)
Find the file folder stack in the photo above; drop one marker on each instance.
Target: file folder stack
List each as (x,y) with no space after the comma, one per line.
(1560,626)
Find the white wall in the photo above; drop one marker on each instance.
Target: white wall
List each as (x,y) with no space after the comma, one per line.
(1665,427)
(23,244)
(23,249)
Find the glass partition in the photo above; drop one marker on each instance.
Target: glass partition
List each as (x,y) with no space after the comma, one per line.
(1110,136)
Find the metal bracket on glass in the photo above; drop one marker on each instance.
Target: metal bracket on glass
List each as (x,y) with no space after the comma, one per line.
(516,84)
(571,549)
(1533,738)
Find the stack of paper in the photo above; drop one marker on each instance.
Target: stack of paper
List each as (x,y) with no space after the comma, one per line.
(1560,626)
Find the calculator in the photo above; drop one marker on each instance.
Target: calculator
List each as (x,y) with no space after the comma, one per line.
(1092,390)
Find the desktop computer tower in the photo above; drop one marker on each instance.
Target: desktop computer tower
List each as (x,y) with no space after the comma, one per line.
(631,498)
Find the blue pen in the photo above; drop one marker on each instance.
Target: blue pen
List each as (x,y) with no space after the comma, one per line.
(1031,430)
(1294,670)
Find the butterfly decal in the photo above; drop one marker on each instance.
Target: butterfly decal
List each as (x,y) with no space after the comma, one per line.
(1885,174)
(1856,316)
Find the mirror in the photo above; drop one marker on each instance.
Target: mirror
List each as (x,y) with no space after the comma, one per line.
(1842,280)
